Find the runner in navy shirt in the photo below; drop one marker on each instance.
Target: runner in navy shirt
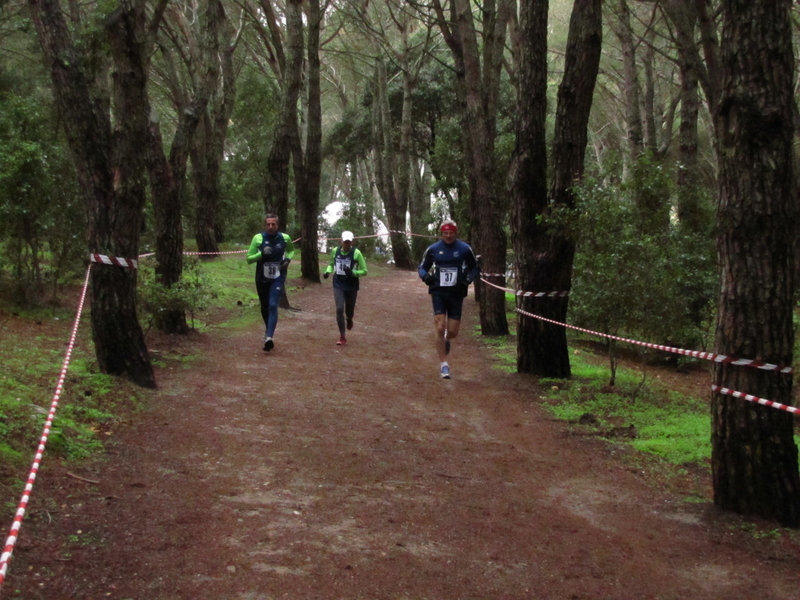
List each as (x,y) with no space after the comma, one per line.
(447,268)
(272,251)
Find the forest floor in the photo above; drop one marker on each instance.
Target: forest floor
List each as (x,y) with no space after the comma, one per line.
(327,472)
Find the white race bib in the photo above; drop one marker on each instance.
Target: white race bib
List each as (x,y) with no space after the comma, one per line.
(341,265)
(448,276)
(272,270)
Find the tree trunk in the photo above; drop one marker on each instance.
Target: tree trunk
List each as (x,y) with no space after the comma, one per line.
(419,210)
(276,199)
(478,95)
(386,173)
(308,192)
(754,457)
(213,130)
(683,16)
(110,167)
(545,254)
(167,176)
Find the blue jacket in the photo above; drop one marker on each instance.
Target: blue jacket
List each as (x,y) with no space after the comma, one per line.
(453,267)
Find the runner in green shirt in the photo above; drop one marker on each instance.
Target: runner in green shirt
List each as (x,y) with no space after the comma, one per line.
(347,265)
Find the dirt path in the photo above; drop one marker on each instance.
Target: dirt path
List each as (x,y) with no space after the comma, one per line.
(324,472)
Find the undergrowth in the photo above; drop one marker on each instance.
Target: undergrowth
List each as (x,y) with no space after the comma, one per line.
(643,413)
(91,403)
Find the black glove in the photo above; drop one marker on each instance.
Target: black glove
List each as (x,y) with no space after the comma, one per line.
(429,279)
(285,265)
(326,275)
(266,251)
(348,272)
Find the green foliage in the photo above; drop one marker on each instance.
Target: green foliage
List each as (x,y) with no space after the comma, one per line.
(655,287)
(653,419)
(87,407)
(244,172)
(350,137)
(41,224)
(191,294)
(672,426)
(356,217)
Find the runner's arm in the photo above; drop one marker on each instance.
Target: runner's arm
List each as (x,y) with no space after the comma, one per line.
(473,268)
(253,253)
(329,268)
(289,252)
(426,264)
(361,268)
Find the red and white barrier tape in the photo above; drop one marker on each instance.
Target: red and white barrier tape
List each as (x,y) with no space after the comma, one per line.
(149,254)
(719,358)
(114,260)
(526,294)
(12,536)
(425,235)
(756,399)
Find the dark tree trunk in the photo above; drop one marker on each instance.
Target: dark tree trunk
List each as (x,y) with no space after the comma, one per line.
(308,192)
(754,457)
(111,171)
(386,172)
(545,255)
(276,199)
(477,87)
(683,15)
(419,211)
(166,188)
(167,175)
(207,158)
(529,192)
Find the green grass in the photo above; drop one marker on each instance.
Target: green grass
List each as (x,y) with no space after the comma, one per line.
(675,427)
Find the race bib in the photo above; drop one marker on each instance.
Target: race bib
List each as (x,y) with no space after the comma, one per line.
(448,276)
(272,270)
(341,265)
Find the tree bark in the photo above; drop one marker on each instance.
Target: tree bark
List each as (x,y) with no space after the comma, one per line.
(683,15)
(308,192)
(208,152)
(754,457)
(476,86)
(276,199)
(386,172)
(545,254)
(111,171)
(168,175)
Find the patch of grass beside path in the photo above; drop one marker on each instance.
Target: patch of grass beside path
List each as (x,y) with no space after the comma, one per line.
(647,415)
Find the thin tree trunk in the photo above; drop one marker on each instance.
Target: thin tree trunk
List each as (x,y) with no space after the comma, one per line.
(308,193)
(478,118)
(276,199)
(386,173)
(214,130)
(167,176)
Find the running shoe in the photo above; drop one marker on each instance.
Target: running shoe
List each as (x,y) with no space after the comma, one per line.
(268,344)
(342,341)
(349,324)
(445,372)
